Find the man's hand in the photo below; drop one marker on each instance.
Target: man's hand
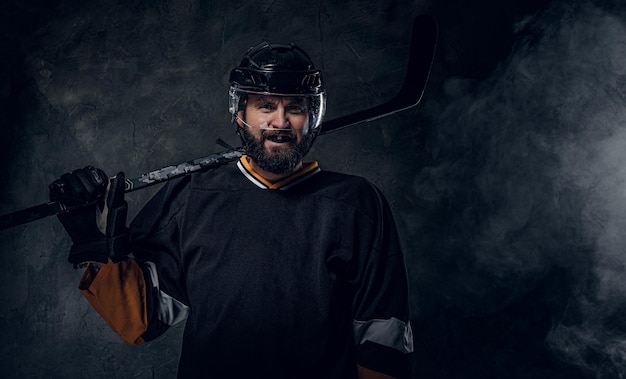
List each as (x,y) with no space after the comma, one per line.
(96,215)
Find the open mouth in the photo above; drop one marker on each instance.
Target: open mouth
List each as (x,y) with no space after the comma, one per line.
(280,138)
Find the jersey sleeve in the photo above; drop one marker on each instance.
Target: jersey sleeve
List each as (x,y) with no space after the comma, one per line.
(141,297)
(118,293)
(155,238)
(381,326)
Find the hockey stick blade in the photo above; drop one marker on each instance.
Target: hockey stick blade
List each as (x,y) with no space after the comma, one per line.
(423,42)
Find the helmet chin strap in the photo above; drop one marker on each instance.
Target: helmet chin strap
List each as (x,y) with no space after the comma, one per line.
(262,126)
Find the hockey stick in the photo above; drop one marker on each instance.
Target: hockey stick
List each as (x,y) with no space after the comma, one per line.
(423,41)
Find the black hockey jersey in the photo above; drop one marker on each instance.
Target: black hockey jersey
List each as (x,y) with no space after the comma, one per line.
(299,279)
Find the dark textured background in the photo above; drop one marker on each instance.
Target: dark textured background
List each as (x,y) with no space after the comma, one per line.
(507,182)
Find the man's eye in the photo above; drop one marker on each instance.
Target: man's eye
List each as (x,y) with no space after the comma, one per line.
(296,109)
(268,106)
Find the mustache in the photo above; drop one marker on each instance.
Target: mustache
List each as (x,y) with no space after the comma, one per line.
(278,132)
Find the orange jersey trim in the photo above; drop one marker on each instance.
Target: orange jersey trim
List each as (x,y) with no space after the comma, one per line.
(118,293)
(308,168)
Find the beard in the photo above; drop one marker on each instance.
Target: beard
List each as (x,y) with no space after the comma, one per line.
(281,159)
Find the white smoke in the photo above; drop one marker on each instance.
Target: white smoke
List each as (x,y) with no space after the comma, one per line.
(530,180)
(593,157)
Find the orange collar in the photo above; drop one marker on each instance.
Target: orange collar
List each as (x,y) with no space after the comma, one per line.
(308,168)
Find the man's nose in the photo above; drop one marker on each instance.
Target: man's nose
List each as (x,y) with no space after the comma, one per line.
(280,120)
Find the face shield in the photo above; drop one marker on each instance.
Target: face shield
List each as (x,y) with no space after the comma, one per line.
(304,111)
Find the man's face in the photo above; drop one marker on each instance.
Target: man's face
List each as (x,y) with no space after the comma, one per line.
(277,136)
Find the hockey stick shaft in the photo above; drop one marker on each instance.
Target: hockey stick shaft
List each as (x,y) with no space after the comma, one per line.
(151,178)
(423,42)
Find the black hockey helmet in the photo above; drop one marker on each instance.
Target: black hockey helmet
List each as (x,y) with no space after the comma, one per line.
(278,70)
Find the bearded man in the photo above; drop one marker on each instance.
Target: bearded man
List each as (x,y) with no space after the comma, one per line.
(280,269)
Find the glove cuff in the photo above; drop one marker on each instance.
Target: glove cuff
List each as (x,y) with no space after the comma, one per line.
(119,246)
(95,250)
(100,249)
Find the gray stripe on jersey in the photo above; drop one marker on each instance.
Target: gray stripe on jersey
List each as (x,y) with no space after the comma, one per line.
(391,332)
(171,311)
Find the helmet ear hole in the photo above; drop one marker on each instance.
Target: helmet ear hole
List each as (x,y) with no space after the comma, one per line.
(243,101)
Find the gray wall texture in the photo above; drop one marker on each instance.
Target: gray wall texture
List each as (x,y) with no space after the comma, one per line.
(507,181)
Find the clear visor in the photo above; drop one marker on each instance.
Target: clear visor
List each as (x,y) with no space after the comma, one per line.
(303,111)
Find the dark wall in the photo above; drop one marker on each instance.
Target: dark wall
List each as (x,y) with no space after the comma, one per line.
(507,181)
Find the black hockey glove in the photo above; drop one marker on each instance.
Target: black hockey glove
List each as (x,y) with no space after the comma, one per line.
(96,215)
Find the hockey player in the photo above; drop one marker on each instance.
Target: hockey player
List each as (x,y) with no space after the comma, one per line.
(280,269)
